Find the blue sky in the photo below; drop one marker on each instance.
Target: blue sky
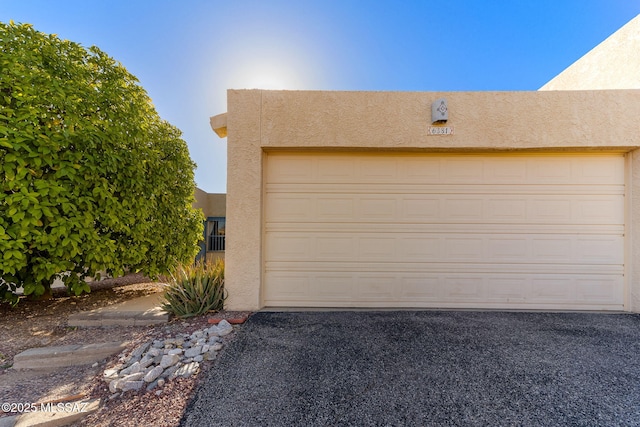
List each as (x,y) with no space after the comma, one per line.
(187,53)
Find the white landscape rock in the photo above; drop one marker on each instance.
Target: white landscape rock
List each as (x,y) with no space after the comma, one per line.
(224,328)
(193,352)
(156,361)
(132,385)
(187,370)
(146,362)
(111,373)
(133,377)
(114,386)
(169,360)
(153,374)
(135,368)
(168,373)
(140,350)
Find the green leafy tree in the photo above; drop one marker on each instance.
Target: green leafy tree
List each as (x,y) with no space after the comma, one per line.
(92,179)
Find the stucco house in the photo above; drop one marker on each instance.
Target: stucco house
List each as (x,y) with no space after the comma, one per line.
(519,200)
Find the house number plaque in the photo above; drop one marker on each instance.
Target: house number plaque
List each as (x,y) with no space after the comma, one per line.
(440,130)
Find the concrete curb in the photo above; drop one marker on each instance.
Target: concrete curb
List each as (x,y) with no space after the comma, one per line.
(125,318)
(66,355)
(141,311)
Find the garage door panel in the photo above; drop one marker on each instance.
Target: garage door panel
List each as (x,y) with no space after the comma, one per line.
(295,247)
(439,228)
(335,286)
(289,286)
(426,169)
(552,170)
(411,247)
(423,188)
(381,287)
(467,209)
(290,207)
(453,268)
(418,248)
(445,290)
(599,171)
(601,249)
(502,209)
(597,210)
(549,209)
(600,210)
(296,169)
(411,230)
(498,171)
(463,249)
(509,248)
(512,289)
(601,289)
(378,169)
(427,287)
(423,209)
(473,169)
(334,209)
(553,289)
(464,170)
(553,249)
(333,247)
(376,248)
(381,208)
(331,169)
(468,288)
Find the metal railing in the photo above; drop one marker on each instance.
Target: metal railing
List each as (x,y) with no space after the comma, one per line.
(216,243)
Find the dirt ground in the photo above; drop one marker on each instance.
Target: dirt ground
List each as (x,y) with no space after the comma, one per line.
(44,323)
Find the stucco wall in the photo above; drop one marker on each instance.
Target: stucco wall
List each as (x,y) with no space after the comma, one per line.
(212,204)
(244,201)
(481,120)
(613,64)
(259,121)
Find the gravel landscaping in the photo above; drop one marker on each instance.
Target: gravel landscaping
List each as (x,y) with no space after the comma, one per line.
(425,368)
(151,364)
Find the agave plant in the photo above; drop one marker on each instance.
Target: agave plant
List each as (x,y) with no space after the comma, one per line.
(195,289)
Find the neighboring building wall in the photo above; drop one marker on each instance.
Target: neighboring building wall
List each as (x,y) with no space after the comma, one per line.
(613,64)
(213,205)
(259,121)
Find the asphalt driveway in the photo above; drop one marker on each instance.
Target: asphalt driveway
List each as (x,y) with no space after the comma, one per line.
(425,368)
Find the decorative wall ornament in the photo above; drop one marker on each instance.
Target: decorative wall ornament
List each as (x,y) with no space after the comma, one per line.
(439,111)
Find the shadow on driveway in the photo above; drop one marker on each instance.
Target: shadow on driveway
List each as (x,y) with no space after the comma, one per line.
(425,368)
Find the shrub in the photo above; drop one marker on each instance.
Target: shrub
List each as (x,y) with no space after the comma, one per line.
(195,289)
(91,177)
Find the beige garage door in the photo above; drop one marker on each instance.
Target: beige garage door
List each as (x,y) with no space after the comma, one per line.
(541,231)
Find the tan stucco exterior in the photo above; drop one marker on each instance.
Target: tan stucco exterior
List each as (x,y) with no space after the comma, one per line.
(613,64)
(593,105)
(212,204)
(219,125)
(481,120)
(263,121)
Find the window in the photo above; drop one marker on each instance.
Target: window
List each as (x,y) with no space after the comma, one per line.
(215,233)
